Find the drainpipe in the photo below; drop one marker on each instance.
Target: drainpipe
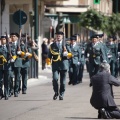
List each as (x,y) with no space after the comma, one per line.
(116,6)
(36,20)
(36,36)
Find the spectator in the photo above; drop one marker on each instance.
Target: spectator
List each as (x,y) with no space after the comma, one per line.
(45,51)
(102,98)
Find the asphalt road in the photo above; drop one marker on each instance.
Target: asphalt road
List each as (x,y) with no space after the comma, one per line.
(38,103)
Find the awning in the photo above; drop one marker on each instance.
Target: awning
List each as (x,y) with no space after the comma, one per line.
(66,17)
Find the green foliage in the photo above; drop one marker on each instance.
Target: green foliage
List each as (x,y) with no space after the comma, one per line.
(91,18)
(98,21)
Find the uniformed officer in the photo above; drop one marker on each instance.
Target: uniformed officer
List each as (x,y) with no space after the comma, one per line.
(68,44)
(112,54)
(95,54)
(117,58)
(25,64)
(58,56)
(75,60)
(5,68)
(16,61)
(82,63)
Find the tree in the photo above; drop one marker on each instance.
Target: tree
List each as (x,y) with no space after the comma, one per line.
(98,21)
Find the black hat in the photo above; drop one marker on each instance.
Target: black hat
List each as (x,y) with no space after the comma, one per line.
(100,35)
(59,33)
(3,37)
(115,38)
(73,38)
(94,36)
(15,34)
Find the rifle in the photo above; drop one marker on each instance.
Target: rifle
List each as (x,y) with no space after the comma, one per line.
(8,44)
(19,49)
(26,46)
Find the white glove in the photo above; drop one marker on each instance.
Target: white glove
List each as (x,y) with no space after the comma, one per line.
(86,59)
(19,52)
(104,61)
(27,54)
(118,53)
(65,54)
(83,51)
(78,63)
(12,60)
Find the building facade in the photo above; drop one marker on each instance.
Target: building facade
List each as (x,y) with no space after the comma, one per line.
(69,8)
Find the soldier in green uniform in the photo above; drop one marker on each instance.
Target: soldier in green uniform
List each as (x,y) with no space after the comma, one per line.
(68,44)
(117,58)
(25,64)
(5,68)
(75,60)
(95,54)
(58,56)
(16,61)
(112,54)
(82,63)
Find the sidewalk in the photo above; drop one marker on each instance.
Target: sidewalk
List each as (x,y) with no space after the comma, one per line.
(43,77)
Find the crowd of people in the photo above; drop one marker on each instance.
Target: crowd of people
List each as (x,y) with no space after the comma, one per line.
(67,55)
(64,55)
(15,54)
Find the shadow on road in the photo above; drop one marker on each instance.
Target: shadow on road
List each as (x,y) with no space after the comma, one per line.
(31,100)
(80,118)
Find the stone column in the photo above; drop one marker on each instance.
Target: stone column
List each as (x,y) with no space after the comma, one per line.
(40,37)
(5,20)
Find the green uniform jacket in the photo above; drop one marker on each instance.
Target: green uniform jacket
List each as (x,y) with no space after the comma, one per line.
(95,53)
(25,60)
(5,53)
(76,52)
(18,61)
(60,64)
(112,51)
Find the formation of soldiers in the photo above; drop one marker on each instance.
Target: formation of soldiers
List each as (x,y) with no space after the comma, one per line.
(69,55)
(14,63)
(66,55)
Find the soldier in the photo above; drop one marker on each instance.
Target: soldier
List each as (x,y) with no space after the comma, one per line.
(112,54)
(95,54)
(5,68)
(75,61)
(117,57)
(25,64)
(68,44)
(58,54)
(81,66)
(16,61)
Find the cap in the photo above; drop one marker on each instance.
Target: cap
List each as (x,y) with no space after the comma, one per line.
(94,36)
(73,38)
(100,35)
(59,33)
(3,37)
(15,34)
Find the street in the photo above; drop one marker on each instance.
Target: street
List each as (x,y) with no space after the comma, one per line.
(38,103)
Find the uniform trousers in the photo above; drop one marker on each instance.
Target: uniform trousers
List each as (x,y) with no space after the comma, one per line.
(63,74)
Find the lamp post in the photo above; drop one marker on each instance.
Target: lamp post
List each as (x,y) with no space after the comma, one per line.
(36,20)
(116,8)
(36,24)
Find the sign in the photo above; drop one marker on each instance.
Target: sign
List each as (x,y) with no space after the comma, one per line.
(20,17)
(96,1)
